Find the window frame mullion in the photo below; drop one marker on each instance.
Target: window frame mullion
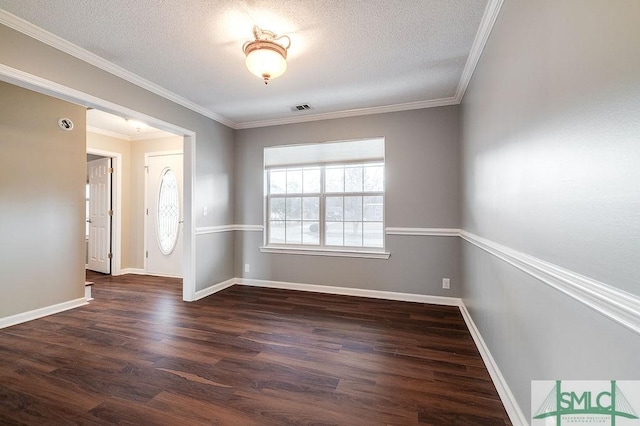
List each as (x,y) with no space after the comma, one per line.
(322,218)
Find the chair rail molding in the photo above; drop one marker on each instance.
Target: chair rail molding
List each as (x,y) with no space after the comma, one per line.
(620,306)
(202,230)
(427,232)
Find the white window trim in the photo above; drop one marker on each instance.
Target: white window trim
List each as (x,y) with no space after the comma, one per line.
(321,250)
(317,251)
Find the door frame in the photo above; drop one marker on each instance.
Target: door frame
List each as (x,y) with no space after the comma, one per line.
(146,198)
(41,85)
(116,205)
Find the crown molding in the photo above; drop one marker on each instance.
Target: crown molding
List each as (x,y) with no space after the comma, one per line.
(486,25)
(484,30)
(59,43)
(349,113)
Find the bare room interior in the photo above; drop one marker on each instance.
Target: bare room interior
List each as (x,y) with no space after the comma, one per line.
(291,212)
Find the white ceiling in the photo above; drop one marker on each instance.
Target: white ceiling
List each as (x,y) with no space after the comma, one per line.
(118,127)
(347,57)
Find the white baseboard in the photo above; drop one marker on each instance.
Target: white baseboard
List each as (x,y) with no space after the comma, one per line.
(87,293)
(134,271)
(41,312)
(214,289)
(348,291)
(516,415)
(511,405)
(508,400)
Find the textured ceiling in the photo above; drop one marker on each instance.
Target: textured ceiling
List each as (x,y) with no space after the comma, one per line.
(344,55)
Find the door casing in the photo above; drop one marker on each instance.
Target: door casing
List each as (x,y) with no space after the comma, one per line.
(100,216)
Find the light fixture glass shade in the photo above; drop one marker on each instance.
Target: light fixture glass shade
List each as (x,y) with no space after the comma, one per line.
(266,63)
(267,54)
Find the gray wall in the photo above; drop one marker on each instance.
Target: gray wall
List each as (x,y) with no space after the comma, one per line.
(549,130)
(42,202)
(214,141)
(422,191)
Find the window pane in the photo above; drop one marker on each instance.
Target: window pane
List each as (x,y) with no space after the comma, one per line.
(334,179)
(334,235)
(373,234)
(294,208)
(294,232)
(276,232)
(277,182)
(353,208)
(353,179)
(316,205)
(294,181)
(311,208)
(311,181)
(373,208)
(334,209)
(277,209)
(310,233)
(353,234)
(374,178)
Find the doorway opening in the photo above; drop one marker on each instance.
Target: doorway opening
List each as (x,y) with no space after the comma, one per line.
(130,147)
(51,88)
(99,213)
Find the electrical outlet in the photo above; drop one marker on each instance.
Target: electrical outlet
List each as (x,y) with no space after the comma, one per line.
(247,267)
(446,283)
(205,211)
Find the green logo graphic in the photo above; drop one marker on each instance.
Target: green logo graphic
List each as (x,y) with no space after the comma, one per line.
(609,403)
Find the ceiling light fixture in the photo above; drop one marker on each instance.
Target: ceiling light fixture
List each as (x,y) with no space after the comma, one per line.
(266,57)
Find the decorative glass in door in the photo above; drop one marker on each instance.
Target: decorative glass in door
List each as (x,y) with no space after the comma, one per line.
(168,212)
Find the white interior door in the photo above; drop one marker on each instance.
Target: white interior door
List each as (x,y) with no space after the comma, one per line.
(99,215)
(164,233)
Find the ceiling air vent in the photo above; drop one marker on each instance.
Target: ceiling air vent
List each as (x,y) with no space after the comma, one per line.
(302,107)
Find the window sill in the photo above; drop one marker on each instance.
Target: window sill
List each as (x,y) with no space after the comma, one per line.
(326,252)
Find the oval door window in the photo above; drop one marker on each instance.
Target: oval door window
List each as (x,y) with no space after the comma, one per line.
(168,212)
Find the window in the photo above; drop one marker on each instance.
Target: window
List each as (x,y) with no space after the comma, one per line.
(326,196)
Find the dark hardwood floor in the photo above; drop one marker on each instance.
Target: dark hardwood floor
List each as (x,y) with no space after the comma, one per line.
(138,355)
